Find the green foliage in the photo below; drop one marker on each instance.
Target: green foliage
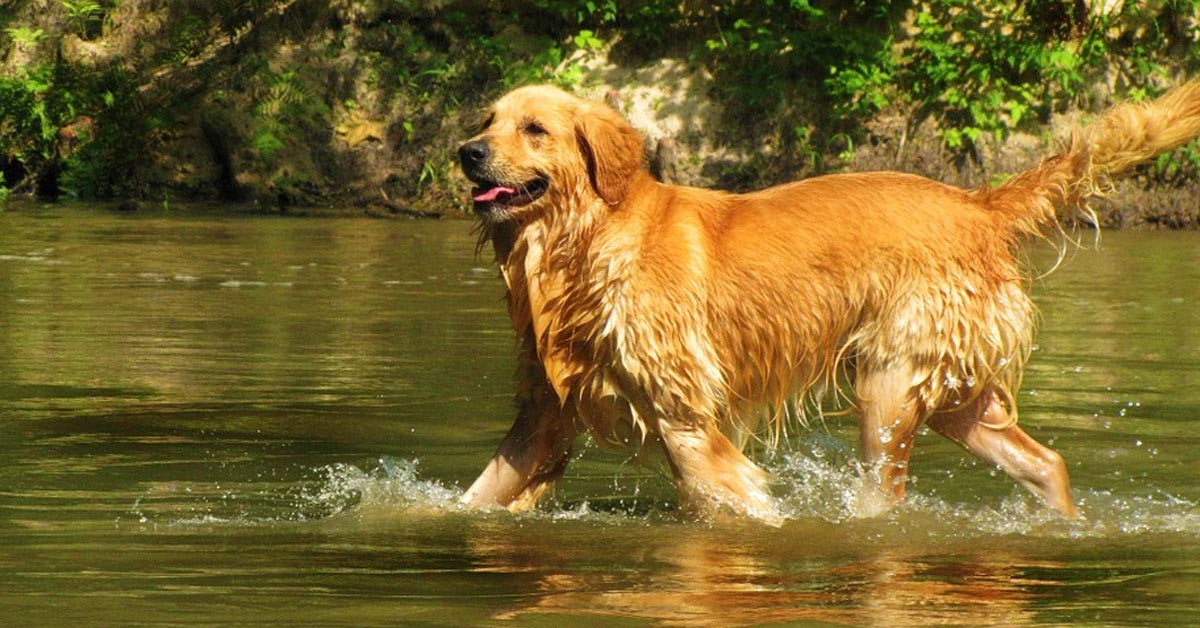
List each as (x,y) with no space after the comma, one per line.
(438,172)
(38,102)
(24,93)
(31,112)
(587,40)
(286,103)
(979,68)
(982,67)
(803,78)
(1177,168)
(441,52)
(579,12)
(25,36)
(772,51)
(85,16)
(822,65)
(862,87)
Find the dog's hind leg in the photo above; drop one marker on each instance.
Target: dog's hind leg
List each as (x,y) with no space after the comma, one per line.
(712,475)
(889,417)
(985,428)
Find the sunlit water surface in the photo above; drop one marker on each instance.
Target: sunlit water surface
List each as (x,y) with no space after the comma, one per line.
(214,420)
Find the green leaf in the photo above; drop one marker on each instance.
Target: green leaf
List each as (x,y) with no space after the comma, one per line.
(267,144)
(587,39)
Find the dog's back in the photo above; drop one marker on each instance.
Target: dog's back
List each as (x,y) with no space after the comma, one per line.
(822,278)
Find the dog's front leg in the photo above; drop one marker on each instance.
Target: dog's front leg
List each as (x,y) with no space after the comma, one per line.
(712,475)
(533,454)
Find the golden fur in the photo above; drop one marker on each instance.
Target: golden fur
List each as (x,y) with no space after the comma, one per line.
(694,318)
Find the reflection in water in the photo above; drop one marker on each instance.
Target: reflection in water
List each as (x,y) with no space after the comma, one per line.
(931,563)
(698,578)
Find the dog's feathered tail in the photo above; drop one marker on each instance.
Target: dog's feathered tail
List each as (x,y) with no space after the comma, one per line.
(1128,135)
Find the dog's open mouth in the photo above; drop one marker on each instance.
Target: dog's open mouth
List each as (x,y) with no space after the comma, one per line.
(490,195)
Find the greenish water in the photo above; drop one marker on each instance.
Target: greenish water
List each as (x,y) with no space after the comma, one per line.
(214,421)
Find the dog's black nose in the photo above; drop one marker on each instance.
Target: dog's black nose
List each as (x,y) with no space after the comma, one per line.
(473,154)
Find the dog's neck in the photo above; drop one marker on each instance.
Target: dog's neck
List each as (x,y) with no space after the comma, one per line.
(561,273)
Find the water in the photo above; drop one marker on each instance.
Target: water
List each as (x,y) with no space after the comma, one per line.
(211,421)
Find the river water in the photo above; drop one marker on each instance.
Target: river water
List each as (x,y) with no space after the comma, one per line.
(210,420)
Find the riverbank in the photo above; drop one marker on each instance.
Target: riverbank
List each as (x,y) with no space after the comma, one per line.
(218,209)
(304,105)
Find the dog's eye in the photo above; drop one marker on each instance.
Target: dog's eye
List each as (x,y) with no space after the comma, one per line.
(533,128)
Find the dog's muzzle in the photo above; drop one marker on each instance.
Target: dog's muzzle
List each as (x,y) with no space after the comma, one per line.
(474,156)
(493,196)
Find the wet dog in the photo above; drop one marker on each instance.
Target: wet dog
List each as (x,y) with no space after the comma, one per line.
(693,319)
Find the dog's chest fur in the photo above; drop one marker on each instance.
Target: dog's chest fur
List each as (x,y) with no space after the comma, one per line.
(608,336)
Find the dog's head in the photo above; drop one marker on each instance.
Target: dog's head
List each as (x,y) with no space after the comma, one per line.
(540,148)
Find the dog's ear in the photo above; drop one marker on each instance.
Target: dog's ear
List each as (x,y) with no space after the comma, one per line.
(612,148)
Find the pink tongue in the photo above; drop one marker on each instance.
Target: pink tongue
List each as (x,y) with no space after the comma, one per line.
(491,194)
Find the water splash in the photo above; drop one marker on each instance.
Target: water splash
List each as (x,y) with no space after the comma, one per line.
(819,483)
(393,484)
(318,494)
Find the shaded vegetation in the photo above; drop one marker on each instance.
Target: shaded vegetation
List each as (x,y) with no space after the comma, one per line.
(310,102)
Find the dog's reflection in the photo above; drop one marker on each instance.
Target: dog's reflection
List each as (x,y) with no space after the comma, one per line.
(684,576)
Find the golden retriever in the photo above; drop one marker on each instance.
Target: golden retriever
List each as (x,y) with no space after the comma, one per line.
(697,319)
